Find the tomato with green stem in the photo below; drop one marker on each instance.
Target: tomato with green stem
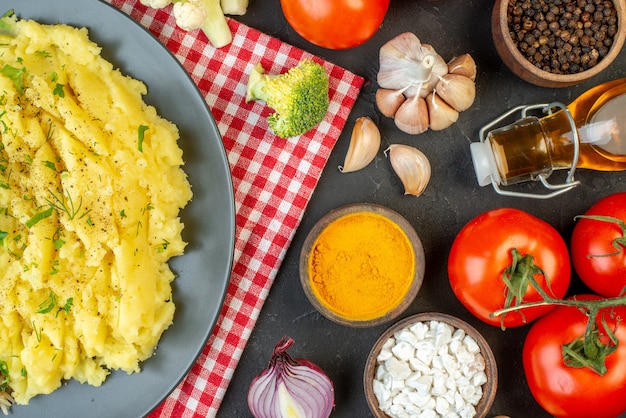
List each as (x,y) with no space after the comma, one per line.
(335,24)
(598,246)
(496,259)
(575,359)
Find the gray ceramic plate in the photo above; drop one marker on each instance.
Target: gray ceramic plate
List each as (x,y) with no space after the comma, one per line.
(204,270)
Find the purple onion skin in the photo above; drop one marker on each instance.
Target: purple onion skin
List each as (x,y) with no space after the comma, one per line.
(298,385)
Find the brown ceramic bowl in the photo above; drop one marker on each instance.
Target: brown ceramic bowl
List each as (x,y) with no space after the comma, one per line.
(524,69)
(395,307)
(489,388)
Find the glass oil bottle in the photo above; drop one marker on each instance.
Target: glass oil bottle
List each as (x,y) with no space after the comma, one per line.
(589,133)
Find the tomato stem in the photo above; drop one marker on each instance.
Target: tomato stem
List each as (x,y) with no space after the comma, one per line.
(517,277)
(588,350)
(618,243)
(588,305)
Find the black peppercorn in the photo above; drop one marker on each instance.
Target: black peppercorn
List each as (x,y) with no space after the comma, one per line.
(563,36)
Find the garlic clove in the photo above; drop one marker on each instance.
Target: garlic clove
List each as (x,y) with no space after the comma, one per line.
(463,65)
(388,101)
(411,166)
(412,116)
(440,113)
(364,144)
(456,90)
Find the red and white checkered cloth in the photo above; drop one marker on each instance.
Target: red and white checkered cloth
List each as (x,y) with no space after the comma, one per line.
(273,182)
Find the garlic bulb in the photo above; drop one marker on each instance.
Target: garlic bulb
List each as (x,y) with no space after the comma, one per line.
(406,63)
(410,68)
(364,144)
(411,166)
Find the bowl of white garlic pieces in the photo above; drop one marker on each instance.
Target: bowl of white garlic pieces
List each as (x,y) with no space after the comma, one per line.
(430,364)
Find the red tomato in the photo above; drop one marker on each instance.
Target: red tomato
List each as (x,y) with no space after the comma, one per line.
(481,253)
(575,392)
(593,239)
(335,24)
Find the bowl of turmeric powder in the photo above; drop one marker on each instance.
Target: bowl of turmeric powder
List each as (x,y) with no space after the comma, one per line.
(362,265)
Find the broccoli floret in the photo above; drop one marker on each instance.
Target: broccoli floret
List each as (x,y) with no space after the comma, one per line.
(298,97)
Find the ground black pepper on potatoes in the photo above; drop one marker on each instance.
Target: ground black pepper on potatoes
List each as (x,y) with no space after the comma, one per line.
(563,36)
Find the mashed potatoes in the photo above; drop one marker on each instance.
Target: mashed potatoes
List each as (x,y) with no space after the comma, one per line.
(90,190)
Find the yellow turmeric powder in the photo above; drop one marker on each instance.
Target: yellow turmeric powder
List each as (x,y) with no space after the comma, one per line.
(361,266)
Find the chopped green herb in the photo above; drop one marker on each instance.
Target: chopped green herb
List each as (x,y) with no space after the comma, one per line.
(14,254)
(55,269)
(15,75)
(50,130)
(50,165)
(163,246)
(37,332)
(45,54)
(4,376)
(67,206)
(48,305)
(140,134)
(54,77)
(58,90)
(56,240)
(7,27)
(69,302)
(39,216)
(122,213)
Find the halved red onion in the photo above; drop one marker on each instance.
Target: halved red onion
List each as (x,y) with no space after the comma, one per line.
(290,388)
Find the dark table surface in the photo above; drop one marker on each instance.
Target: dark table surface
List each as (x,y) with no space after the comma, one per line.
(453,197)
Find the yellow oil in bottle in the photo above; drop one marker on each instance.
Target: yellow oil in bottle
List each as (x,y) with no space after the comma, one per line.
(532,146)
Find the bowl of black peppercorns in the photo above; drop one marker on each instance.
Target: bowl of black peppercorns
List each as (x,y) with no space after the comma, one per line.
(558,43)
